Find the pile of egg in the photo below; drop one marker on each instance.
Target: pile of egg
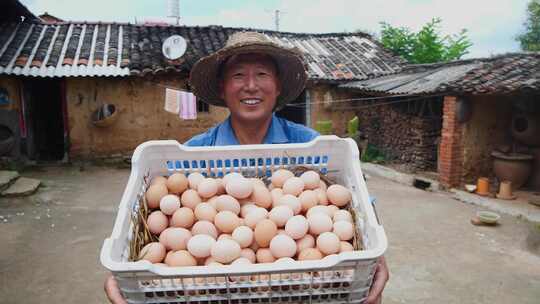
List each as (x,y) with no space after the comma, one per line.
(238,220)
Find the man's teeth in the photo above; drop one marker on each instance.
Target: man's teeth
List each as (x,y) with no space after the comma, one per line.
(251,101)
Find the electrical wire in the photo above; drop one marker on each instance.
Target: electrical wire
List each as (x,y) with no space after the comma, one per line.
(350,107)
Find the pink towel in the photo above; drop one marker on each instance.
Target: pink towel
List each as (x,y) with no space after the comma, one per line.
(182,103)
(188,105)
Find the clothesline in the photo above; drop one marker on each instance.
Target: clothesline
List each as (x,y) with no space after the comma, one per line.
(335,101)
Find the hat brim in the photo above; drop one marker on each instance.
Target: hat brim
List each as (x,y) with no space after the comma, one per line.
(204,76)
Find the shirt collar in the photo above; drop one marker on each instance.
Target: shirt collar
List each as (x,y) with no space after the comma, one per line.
(274,135)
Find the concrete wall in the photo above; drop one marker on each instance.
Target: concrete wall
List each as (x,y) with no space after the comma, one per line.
(141,116)
(489,126)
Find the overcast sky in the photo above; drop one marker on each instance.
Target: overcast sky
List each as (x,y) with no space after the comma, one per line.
(492,24)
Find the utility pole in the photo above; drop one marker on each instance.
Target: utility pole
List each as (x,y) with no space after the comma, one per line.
(276,19)
(277,16)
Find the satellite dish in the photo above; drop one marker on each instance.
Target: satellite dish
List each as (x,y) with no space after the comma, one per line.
(174,47)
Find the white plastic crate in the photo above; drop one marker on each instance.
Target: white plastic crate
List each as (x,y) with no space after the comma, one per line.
(342,278)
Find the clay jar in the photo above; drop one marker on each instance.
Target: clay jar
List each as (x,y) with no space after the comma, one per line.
(514,167)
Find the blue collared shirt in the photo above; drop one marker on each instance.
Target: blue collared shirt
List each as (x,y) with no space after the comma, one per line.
(280,131)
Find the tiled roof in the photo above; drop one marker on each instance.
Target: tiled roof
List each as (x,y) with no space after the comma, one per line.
(413,81)
(111,49)
(501,75)
(496,75)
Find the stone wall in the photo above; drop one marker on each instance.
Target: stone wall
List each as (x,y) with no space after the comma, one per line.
(401,136)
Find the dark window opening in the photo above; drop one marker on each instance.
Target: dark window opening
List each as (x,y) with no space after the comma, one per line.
(295,111)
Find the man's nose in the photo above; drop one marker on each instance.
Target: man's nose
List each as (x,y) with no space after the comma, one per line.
(251,83)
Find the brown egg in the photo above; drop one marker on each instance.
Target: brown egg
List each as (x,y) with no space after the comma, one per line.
(254,216)
(321,196)
(257,182)
(194,179)
(311,179)
(338,195)
(294,186)
(328,243)
(265,230)
(226,202)
(213,201)
(230,176)
(280,215)
(226,221)
(154,194)
(157,222)
(153,252)
(205,212)
(221,186)
(276,194)
(190,198)
(308,199)
(225,251)
(169,204)
(180,258)
(239,188)
(345,246)
(308,241)
(207,188)
(177,183)
(261,196)
(204,227)
(310,254)
(174,238)
(343,215)
(183,218)
(344,230)
(282,245)
(264,255)
(158,180)
(322,185)
(249,254)
(333,209)
(280,176)
(291,201)
(247,208)
(319,223)
(225,236)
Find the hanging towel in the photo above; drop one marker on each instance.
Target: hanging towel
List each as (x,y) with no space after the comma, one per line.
(172,101)
(182,103)
(188,105)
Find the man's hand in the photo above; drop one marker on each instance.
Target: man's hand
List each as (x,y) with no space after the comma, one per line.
(379,281)
(113,292)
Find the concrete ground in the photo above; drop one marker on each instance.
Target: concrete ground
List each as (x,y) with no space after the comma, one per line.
(51,243)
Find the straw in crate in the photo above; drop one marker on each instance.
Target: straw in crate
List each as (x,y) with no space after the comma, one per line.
(338,278)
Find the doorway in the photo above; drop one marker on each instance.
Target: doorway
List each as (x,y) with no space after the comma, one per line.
(296,112)
(44,116)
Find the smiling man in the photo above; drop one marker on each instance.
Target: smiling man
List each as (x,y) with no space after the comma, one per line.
(252,77)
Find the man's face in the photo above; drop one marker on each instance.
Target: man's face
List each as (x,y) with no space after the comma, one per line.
(250,86)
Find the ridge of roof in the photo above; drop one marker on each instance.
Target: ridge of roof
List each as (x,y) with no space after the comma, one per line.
(211,26)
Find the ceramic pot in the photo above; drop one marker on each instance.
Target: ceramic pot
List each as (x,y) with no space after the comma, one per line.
(526,128)
(513,167)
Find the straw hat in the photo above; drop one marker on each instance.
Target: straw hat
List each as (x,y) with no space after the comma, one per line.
(292,73)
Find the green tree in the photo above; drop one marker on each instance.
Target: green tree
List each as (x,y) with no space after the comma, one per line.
(427,45)
(530,39)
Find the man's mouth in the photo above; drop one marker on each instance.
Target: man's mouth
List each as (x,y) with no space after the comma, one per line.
(251,102)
